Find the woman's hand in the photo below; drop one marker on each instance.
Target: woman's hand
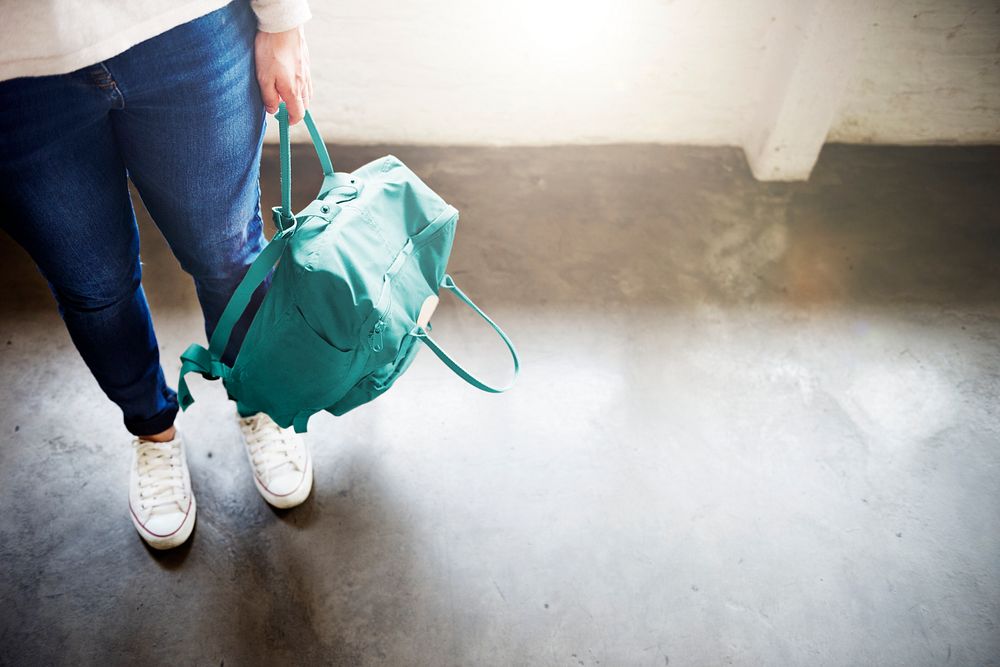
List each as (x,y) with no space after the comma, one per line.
(282,61)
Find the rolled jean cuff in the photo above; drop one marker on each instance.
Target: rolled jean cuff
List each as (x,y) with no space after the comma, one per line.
(158,423)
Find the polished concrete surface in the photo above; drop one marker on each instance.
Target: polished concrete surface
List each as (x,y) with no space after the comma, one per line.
(757,424)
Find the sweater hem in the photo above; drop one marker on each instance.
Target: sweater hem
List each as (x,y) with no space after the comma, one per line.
(112,46)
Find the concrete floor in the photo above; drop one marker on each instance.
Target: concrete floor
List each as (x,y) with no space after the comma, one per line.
(757,425)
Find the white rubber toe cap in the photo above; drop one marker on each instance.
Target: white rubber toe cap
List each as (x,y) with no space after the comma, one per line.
(166,531)
(289,489)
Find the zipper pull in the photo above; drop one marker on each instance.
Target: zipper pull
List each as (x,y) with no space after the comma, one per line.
(375,337)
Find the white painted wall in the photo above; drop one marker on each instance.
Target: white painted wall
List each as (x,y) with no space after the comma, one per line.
(667,71)
(928,72)
(537,71)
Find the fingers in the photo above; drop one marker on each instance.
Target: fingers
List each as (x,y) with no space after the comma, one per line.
(269,94)
(282,62)
(293,100)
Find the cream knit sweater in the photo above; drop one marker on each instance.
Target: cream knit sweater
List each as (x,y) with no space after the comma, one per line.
(40,37)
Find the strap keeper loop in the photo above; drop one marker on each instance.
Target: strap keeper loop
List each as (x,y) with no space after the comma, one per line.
(281,221)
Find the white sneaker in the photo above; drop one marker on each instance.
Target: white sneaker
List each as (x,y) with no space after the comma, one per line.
(282,467)
(159,493)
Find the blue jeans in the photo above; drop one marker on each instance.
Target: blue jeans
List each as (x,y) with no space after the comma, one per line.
(181,116)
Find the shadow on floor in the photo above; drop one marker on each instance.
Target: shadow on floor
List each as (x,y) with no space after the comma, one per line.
(752,421)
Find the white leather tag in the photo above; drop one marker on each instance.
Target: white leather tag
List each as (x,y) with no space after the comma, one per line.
(426,310)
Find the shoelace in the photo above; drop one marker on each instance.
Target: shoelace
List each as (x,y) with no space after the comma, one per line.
(161,476)
(271,448)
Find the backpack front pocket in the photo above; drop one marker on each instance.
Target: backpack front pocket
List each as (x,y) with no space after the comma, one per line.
(289,367)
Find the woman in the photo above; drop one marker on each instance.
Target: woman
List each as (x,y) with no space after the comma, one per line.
(95,94)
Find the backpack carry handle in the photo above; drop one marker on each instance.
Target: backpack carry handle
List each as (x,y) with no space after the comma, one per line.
(330,178)
(421,333)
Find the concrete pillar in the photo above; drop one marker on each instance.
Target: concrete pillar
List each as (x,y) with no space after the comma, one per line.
(811,49)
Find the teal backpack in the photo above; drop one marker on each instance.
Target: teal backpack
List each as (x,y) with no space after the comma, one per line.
(358,274)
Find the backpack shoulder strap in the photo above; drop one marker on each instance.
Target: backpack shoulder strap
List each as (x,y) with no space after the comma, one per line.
(255,275)
(208,362)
